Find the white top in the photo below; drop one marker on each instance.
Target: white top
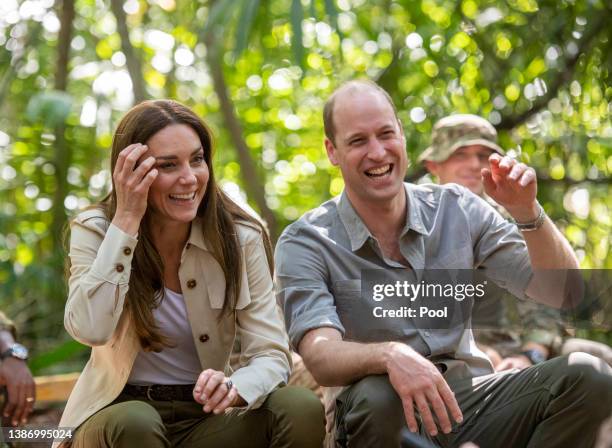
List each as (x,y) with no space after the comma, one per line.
(173,365)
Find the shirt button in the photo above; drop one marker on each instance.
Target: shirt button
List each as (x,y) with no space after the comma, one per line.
(119,267)
(191,284)
(204,337)
(127,251)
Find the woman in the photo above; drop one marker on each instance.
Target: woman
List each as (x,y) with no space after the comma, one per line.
(165,273)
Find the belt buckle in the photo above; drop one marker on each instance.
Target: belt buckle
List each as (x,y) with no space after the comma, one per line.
(148,392)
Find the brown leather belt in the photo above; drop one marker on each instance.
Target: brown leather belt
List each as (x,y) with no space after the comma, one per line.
(161,392)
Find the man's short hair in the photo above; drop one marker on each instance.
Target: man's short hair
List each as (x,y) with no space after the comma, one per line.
(354,85)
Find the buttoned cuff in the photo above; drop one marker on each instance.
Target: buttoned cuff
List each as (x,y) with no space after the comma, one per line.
(114,260)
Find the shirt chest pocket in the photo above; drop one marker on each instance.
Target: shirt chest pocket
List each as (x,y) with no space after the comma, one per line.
(454,258)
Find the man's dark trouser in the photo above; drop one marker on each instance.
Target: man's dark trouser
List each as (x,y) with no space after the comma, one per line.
(290,417)
(559,403)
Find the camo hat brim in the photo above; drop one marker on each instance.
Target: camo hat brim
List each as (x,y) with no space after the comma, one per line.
(455,131)
(440,156)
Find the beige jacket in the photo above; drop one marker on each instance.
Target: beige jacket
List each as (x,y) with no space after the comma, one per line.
(101,256)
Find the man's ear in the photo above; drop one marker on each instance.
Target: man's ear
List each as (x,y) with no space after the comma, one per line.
(432,167)
(331,152)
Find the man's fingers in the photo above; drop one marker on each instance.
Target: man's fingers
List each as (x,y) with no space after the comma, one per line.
(517,171)
(528,176)
(19,409)
(448,397)
(408,405)
(440,410)
(426,416)
(507,163)
(14,398)
(487,179)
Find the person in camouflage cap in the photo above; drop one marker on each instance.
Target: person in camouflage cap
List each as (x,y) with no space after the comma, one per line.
(460,148)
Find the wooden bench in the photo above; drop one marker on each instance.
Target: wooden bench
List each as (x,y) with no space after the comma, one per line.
(54,388)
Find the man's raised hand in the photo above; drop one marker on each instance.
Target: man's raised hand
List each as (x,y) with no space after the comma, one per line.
(513,185)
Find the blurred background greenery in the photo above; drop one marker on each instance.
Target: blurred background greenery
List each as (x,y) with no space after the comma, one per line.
(258,71)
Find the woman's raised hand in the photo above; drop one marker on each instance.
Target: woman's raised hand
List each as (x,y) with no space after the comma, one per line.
(216,392)
(132,181)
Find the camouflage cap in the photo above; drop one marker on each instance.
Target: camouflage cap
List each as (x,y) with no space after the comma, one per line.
(455,131)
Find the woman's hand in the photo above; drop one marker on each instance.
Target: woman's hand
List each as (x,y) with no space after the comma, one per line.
(216,392)
(131,183)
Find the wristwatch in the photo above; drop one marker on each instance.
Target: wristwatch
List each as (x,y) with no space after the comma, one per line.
(535,356)
(16,351)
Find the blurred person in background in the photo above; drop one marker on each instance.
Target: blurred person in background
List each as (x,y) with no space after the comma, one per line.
(15,377)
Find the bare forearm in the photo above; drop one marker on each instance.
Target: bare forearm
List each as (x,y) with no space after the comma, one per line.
(555,281)
(548,248)
(334,362)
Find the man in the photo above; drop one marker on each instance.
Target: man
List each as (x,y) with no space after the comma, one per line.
(15,376)
(386,374)
(460,148)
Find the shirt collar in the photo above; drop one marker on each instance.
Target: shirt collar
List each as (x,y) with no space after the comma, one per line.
(357,231)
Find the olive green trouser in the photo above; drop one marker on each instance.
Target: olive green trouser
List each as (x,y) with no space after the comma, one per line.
(290,417)
(559,403)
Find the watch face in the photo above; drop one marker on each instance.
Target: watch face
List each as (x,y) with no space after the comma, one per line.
(19,351)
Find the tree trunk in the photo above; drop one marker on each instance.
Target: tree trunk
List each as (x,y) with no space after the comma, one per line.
(133,62)
(63,152)
(252,181)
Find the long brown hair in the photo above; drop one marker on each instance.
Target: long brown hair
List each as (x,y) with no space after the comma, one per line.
(218,212)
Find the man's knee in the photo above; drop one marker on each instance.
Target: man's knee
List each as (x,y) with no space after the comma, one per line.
(369,412)
(594,377)
(375,394)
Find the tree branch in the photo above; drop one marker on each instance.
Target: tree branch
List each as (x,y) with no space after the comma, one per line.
(63,152)
(561,79)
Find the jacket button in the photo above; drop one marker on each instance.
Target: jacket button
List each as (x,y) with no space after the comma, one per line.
(127,251)
(204,338)
(119,267)
(191,284)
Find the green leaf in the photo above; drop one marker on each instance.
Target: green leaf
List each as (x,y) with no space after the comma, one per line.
(297,16)
(63,352)
(219,14)
(51,108)
(245,24)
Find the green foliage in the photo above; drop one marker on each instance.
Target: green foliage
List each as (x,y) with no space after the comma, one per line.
(538,69)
